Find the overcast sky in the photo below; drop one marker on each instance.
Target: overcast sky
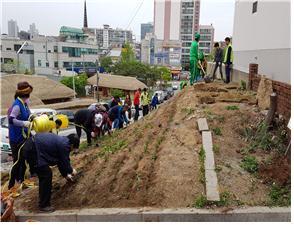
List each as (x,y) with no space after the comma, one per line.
(50,15)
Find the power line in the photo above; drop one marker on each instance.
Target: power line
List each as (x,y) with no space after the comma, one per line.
(135,14)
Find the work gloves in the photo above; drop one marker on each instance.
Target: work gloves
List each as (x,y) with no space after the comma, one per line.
(70,177)
(26,123)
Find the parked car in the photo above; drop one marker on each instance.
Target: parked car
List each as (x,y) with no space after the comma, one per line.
(175,86)
(4,142)
(161,96)
(70,114)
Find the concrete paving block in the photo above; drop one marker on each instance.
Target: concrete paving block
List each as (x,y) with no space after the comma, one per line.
(251,214)
(212,190)
(207,141)
(57,216)
(109,215)
(209,163)
(202,124)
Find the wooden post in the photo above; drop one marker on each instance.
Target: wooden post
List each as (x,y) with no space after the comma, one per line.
(272,110)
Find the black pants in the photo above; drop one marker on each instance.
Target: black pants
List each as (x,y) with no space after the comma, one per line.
(145,110)
(218,64)
(228,73)
(45,186)
(136,113)
(19,169)
(79,133)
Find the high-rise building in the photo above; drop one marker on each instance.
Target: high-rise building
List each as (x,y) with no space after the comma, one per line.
(108,37)
(12,28)
(177,21)
(206,38)
(146,28)
(33,31)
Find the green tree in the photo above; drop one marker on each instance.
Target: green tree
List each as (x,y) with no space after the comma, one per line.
(127,53)
(106,63)
(117,93)
(80,83)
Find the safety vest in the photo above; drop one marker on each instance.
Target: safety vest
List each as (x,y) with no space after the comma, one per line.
(144,98)
(226,54)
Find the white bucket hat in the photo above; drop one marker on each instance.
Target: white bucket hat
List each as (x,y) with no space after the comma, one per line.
(98,119)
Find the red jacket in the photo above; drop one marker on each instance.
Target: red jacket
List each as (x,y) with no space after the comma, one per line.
(137,98)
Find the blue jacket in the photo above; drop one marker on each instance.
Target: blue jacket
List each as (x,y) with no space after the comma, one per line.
(18,134)
(53,150)
(154,101)
(116,112)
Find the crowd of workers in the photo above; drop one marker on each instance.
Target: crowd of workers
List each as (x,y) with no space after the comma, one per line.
(198,63)
(44,150)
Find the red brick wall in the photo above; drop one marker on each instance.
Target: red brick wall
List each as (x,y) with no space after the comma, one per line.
(283,91)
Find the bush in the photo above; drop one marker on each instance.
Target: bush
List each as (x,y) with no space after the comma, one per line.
(280,196)
(117,93)
(232,107)
(200,202)
(250,164)
(243,85)
(80,83)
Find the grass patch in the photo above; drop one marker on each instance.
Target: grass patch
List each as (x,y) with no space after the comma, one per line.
(188,111)
(259,137)
(243,85)
(202,169)
(216,148)
(279,196)
(232,107)
(218,169)
(112,146)
(224,199)
(83,146)
(217,131)
(250,164)
(200,202)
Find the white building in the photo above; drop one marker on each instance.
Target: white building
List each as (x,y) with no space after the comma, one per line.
(159,52)
(261,35)
(177,20)
(108,37)
(33,31)
(9,47)
(12,28)
(206,38)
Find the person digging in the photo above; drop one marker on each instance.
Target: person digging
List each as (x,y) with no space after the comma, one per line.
(47,149)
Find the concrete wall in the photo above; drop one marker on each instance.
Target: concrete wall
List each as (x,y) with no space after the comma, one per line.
(263,37)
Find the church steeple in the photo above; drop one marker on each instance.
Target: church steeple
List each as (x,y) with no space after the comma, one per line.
(85,15)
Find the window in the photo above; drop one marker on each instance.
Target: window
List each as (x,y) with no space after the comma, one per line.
(254,7)
(55,49)
(1,59)
(49,51)
(55,64)
(43,46)
(1,47)
(16,47)
(8,49)
(47,64)
(8,60)
(39,63)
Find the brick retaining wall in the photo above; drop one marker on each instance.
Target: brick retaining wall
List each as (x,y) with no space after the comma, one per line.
(283,90)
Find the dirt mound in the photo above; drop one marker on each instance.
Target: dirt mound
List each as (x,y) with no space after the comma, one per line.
(278,171)
(151,163)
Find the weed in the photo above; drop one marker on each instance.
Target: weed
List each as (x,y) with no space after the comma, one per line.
(224,199)
(146,147)
(188,111)
(110,148)
(220,119)
(243,85)
(217,131)
(202,170)
(228,165)
(279,196)
(232,107)
(218,169)
(202,154)
(154,157)
(83,146)
(216,148)
(200,202)
(250,164)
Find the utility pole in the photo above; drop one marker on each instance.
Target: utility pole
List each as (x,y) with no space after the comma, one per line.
(73,79)
(97,79)
(17,53)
